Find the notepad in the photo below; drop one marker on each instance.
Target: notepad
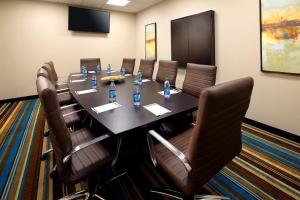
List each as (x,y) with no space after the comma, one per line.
(79,80)
(173,91)
(85,91)
(128,74)
(106,107)
(156,109)
(76,75)
(144,80)
(91,72)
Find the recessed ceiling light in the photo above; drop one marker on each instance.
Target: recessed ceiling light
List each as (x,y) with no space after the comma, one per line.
(118,2)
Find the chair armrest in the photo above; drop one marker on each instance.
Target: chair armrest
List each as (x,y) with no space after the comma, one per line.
(62,90)
(84,145)
(71,113)
(181,156)
(68,106)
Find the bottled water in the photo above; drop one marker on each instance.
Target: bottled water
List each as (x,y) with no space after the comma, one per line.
(167,89)
(112,92)
(136,94)
(98,68)
(94,81)
(122,71)
(84,72)
(108,70)
(139,77)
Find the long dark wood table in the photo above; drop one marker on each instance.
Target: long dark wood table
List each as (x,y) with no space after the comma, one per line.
(129,117)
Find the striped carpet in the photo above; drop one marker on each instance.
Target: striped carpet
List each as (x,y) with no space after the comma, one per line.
(21,128)
(267,168)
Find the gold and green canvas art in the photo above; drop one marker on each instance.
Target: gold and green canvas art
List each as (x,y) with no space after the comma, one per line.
(150,37)
(280,36)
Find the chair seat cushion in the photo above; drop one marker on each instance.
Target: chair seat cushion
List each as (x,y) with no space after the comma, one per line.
(89,160)
(64,98)
(169,162)
(72,119)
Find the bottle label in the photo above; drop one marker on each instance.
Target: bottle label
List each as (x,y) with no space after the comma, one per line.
(112,95)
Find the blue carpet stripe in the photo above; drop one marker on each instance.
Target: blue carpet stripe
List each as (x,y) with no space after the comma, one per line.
(15,155)
(290,156)
(37,109)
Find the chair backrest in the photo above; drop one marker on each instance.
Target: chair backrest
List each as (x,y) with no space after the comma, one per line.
(128,64)
(90,63)
(167,68)
(50,74)
(59,134)
(198,77)
(216,137)
(54,74)
(147,68)
(42,72)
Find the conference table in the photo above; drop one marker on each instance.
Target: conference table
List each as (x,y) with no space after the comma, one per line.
(128,117)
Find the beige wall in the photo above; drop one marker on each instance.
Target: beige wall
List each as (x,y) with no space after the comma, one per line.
(276,98)
(35,32)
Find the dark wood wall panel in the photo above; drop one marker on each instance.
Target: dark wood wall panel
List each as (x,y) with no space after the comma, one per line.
(193,39)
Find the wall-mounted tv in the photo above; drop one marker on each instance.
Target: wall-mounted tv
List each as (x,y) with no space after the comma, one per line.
(88,20)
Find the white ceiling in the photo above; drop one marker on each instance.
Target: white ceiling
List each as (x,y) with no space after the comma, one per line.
(134,6)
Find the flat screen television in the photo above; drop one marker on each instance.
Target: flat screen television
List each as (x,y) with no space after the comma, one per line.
(88,20)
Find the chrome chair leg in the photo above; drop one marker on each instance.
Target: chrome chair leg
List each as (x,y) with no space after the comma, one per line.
(210,197)
(174,196)
(117,152)
(45,154)
(96,196)
(53,172)
(110,180)
(76,195)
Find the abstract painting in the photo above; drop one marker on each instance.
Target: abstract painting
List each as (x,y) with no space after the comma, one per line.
(280,36)
(150,40)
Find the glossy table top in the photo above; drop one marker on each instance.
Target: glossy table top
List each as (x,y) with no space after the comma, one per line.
(128,117)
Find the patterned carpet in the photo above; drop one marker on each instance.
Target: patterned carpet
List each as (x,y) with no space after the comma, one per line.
(21,128)
(267,168)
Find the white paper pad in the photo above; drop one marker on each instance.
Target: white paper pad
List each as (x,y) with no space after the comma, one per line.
(76,75)
(173,91)
(92,72)
(106,107)
(79,80)
(128,74)
(156,109)
(85,91)
(112,71)
(143,81)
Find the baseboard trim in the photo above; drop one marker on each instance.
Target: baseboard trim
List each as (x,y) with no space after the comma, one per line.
(273,130)
(19,99)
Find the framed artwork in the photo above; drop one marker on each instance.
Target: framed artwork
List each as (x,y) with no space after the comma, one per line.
(280,36)
(150,41)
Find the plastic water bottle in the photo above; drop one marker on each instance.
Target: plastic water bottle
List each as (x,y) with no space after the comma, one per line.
(98,68)
(122,71)
(167,89)
(136,94)
(139,77)
(108,70)
(112,92)
(84,72)
(94,81)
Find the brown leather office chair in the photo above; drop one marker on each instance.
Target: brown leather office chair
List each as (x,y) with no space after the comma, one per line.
(128,64)
(147,68)
(64,96)
(191,158)
(77,155)
(60,85)
(198,77)
(167,69)
(90,63)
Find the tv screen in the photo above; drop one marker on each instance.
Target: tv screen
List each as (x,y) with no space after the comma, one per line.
(82,19)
